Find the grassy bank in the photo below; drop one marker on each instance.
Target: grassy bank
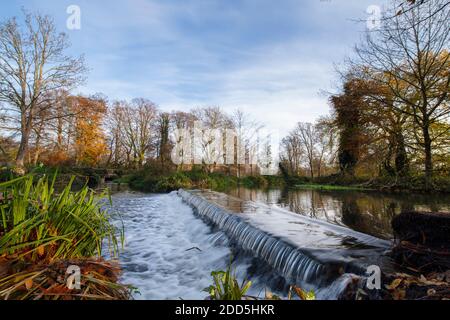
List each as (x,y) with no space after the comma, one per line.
(388,184)
(43,233)
(326,187)
(155,180)
(150,180)
(77,176)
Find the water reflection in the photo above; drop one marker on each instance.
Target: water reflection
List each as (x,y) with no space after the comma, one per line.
(368,212)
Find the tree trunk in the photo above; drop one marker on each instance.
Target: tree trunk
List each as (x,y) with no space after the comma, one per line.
(428,156)
(37,153)
(401,157)
(23,147)
(311,170)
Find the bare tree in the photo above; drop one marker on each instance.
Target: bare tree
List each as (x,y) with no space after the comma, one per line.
(409,5)
(291,154)
(132,130)
(309,147)
(32,64)
(247,130)
(326,153)
(209,143)
(164,145)
(307,136)
(120,153)
(182,136)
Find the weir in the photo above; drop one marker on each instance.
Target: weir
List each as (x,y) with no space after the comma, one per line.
(306,252)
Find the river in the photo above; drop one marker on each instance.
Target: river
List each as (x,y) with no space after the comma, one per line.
(170,252)
(369,212)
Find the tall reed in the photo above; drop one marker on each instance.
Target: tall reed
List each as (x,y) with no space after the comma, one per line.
(39,225)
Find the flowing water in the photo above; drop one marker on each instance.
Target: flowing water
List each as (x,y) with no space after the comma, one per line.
(170,253)
(316,239)
(363,211)
(309,253)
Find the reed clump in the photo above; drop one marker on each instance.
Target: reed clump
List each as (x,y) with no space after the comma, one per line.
(226,287)
(42,233)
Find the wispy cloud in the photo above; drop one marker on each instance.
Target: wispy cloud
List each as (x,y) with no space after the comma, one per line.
(270,58)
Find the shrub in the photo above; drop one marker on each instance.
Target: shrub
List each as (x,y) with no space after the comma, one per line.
(173,182)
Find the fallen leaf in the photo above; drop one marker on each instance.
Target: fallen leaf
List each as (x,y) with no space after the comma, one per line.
(41,251)
(394,285)
(29,284)
(431,292)
(300,293)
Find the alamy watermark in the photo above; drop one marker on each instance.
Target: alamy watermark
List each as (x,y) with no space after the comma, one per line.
(373,21)
(73,22)
(73,281)
(201,145)
(374,278)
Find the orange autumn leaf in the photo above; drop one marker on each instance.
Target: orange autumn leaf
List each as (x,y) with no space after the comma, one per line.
(41,251)
(29,283)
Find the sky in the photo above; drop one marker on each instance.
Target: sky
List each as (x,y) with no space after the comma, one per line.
(269,58)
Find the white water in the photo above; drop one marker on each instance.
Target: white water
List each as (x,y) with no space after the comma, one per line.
(159,229)
(170,253)
(309,253)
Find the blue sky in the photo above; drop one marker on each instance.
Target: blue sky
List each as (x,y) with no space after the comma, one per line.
(269,58)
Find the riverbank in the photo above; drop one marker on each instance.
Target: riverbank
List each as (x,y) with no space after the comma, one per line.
(52,244)
(33,262)
(151,180)
(155,182)
(414,184)
(156,179)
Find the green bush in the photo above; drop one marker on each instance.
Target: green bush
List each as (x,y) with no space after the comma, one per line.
(148,180)
(173,182)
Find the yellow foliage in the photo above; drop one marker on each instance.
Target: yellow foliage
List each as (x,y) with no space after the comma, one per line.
(90,140)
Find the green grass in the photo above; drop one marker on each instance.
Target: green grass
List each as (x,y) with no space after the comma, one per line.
(226,287)
(152,180)
(414,182)
(328,187)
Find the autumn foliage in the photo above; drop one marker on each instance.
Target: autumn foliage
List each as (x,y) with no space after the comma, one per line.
(90,139)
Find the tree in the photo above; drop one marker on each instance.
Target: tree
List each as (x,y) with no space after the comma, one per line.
(307,136)
(212,123)
(32,64)
(291,155)
(326,144)
(409,55)
(408,5)
(309,148)
(90,140)
(132,131)
(164,144)
(8,147)
(246,130)
(347,107)
(182,137)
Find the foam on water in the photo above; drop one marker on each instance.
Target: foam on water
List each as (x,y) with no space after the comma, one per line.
(170,249)
(310,253)
(159,231)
